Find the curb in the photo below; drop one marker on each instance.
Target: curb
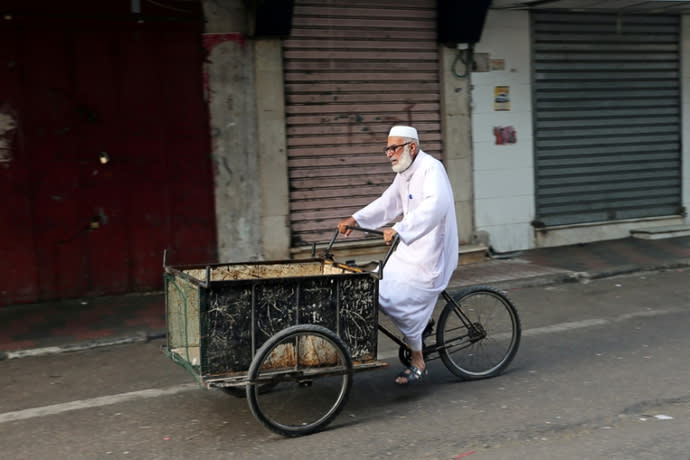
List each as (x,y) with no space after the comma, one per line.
(533,281)
(568,276)
(626,270)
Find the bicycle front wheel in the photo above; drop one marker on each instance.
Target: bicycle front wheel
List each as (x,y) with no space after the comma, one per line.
(479,333)
(309,370)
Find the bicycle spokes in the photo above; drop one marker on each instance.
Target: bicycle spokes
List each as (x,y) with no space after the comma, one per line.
(479,332)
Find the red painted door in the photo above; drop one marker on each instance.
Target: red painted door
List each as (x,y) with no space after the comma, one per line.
(107,161)
(18,270)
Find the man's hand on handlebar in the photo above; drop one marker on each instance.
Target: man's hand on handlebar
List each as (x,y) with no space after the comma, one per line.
(345,223)
(389,234)
(345,227)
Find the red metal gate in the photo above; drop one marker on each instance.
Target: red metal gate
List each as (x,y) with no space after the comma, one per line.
(104,154)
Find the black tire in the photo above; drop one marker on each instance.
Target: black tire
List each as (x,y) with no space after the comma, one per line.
(473,358)
(306,396)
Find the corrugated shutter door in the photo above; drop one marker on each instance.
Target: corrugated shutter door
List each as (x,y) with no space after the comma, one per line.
(607,117)
(352,70)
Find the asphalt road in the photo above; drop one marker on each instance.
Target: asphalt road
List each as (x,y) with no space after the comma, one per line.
(602,373)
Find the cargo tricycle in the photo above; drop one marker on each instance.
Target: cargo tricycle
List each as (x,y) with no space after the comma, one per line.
(290,335)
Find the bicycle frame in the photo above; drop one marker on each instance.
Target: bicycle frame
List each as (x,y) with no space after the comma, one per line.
(474,333)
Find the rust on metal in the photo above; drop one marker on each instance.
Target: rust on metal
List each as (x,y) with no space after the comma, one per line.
(313,352)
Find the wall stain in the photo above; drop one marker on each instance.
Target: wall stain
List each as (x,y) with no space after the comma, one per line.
(8,128)
(228,171)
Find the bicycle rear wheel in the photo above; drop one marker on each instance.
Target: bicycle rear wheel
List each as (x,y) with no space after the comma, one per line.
(485,348)
(310,370)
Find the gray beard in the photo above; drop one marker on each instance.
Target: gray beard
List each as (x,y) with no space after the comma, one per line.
(404,162)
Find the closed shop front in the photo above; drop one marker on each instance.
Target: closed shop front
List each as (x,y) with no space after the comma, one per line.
(607,109)
(105,155)
(352,70)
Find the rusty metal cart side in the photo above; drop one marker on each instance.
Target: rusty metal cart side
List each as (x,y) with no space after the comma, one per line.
(292,333)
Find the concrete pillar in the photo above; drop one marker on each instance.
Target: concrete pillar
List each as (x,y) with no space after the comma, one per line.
(272,149)
(229,77)
(457,139)
(245,93)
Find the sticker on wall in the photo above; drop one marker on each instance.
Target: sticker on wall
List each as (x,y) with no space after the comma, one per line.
(498,64)
(505,135)
(502,98)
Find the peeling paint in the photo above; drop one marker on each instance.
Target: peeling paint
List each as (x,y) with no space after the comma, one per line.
(8,126)
(212,40)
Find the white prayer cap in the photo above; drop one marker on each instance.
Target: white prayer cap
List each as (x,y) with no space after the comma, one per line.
(403,131)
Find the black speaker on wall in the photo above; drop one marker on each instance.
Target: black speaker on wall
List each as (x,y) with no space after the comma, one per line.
(270,18)
(461,21)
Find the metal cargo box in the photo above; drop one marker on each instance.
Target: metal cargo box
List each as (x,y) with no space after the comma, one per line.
(219,315)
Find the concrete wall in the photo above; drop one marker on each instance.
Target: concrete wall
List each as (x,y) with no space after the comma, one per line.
(457,140)
(504,174)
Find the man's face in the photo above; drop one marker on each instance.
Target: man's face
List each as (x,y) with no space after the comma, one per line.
(400,153)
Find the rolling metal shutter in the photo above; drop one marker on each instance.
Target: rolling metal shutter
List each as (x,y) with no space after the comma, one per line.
(352,70)
(607,107)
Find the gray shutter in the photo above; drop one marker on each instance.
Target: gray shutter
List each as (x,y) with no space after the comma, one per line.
(607,107)
(353,69)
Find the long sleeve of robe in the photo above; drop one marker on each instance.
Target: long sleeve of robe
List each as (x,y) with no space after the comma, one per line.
(427,255)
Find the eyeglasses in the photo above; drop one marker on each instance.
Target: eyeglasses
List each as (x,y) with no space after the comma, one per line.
(394,148)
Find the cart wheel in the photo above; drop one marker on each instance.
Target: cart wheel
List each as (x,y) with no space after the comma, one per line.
(312,372)
(487,348)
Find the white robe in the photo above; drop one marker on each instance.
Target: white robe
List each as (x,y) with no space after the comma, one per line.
(421,266)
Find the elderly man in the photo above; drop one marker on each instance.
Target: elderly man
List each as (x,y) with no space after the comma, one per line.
(427,254)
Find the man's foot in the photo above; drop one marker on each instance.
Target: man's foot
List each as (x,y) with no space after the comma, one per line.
(412,374)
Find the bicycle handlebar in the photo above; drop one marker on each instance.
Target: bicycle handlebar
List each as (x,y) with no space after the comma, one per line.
(394,244)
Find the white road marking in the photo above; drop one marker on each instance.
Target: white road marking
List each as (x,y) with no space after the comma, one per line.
(569,326)
(55,409)
(156,392)
(562,327)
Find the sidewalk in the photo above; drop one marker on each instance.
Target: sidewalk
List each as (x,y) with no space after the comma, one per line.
(53,327)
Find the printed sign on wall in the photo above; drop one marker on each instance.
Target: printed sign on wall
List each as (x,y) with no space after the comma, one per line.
(502,98)
(498,64)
